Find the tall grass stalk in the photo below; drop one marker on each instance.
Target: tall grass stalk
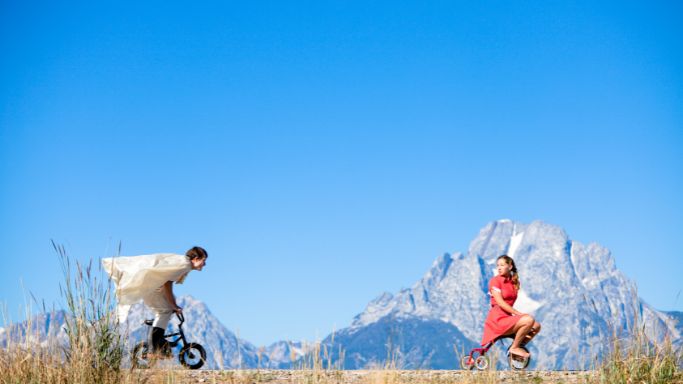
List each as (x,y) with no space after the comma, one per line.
(92,350)
(95,345)
(318,364)
(637,358)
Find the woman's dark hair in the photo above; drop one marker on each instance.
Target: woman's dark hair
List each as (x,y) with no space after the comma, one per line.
(513,271)
(196,253)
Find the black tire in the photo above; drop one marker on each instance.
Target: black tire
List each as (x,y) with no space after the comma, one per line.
(192,356)
(139,356)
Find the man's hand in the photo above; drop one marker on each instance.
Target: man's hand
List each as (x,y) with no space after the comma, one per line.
(178,310)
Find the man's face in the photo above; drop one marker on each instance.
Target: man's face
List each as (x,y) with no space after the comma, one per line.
(198,263)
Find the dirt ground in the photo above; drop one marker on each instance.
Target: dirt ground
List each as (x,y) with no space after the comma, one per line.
(365,377)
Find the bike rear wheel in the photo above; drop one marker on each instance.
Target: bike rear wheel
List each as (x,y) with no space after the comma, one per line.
(482,362)
(467,362)
(139,357)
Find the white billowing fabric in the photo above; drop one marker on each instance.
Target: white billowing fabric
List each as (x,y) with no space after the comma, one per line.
(141,277)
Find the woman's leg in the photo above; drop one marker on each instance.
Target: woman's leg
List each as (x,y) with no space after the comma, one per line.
(520,330)
(535,329)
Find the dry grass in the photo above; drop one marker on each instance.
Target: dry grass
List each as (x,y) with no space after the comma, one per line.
(639,360)
(635,358)
(94,353)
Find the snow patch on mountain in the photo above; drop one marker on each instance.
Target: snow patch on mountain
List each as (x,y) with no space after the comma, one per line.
(515,240)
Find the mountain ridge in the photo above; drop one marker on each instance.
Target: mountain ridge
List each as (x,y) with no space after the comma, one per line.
(575,290)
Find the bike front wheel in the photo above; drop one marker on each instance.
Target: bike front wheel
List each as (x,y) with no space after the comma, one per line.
(192,356)
(467,362)
(518,363)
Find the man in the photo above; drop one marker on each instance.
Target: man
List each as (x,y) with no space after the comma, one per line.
(150,278)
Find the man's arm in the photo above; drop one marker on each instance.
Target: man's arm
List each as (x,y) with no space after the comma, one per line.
(168,294)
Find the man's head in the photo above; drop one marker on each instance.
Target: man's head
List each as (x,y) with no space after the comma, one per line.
(197,256)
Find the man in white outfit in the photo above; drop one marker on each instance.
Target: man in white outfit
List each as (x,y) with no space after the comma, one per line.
(150,278)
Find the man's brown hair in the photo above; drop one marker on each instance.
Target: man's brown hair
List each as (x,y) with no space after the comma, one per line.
(196,253)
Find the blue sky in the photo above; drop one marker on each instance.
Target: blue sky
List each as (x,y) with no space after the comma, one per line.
(326,152)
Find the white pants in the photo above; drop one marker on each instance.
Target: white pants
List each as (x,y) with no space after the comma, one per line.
(161,307)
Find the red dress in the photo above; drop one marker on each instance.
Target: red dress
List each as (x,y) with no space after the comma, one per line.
(499,322)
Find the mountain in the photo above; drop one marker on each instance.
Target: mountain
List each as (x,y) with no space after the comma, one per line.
(574,290)
(407,342)
(676,320)
(39,330)
(286,354)
(224,349)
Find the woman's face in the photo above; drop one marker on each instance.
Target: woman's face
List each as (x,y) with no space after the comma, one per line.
(503,267)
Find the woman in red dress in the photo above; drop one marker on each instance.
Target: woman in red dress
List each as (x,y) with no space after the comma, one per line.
(504,320)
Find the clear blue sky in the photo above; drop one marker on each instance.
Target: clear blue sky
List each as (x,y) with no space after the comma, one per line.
(326,152)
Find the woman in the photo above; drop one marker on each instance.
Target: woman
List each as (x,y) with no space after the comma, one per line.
(503,319)
(150,278)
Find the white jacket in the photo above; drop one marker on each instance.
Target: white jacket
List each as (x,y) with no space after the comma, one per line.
(136,277)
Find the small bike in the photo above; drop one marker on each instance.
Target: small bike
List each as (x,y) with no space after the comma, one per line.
(482,362)
(191,355)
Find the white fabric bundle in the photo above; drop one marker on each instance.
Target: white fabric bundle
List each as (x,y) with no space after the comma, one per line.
(138,277)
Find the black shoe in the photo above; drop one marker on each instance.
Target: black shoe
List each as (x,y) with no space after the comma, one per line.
(158,342)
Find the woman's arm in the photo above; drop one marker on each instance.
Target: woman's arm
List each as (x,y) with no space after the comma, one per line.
(168,294)
(505,306)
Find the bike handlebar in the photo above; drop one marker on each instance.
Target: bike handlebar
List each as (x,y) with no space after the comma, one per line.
(181,317)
